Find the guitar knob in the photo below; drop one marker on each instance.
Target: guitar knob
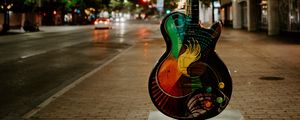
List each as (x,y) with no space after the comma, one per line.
(219,100)
(208,89)
(221,85)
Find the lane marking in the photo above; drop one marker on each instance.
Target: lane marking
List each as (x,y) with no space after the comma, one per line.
(70,86)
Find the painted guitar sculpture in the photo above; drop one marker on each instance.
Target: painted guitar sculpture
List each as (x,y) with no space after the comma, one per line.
(190,81)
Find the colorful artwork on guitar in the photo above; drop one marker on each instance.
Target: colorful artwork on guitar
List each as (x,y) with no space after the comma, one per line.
(189,81)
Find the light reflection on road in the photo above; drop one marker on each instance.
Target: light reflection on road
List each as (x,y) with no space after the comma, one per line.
(143,33)
(103,35)
(120,29)
(100,35)
(146,49)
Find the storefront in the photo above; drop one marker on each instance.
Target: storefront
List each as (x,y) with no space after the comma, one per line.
(288,15)
(216,10)
(226,12)
(273,16)
(263,15)
(289,11)
(244,21)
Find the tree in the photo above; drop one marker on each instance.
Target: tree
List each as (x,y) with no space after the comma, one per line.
(26,6)
(129,6)
(115,5)
(97,4)
(170,4)
(30,3)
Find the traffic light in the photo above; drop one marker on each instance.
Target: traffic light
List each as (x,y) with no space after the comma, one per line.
(146,1)
(168,11)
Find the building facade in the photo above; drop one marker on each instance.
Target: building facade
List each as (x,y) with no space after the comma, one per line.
(206,16)
(272,16)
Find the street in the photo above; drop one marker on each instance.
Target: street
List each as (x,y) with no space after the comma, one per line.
(34,66)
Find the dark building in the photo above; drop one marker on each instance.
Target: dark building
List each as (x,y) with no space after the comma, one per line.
(273,16)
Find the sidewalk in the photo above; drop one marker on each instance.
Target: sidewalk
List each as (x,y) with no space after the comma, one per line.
(44,29)
(50,29)
(265,77)
(20,34)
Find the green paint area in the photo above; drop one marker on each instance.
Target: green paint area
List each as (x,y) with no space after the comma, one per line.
(176,33)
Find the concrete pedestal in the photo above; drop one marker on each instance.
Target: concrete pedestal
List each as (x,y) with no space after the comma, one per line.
(225,115)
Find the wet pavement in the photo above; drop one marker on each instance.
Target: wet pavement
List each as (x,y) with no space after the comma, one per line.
(33,43)
(265,72)
(27,82)
(34,66)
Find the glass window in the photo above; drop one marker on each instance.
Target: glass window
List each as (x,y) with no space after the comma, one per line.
(294,15)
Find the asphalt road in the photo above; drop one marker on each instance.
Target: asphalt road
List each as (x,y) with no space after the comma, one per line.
(33,66)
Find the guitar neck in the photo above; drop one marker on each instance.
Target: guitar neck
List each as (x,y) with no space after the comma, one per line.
(192,9)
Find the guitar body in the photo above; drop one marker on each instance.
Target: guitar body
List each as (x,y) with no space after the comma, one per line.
(189,81)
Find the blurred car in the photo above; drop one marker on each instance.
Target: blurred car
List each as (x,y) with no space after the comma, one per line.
(120,19)
(101,23)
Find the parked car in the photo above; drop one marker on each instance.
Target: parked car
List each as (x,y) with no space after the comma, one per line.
(30,27)
(101,23)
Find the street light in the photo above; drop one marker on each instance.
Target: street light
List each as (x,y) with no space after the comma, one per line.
(6,6)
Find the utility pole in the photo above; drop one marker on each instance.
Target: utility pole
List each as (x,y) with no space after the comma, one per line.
(6,7)
(213,10)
